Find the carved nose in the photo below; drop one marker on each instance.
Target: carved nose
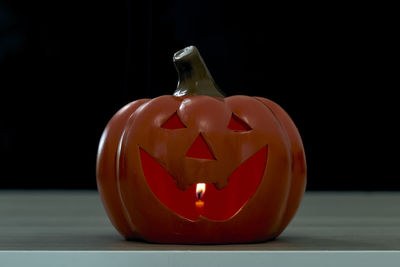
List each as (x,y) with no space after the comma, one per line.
(199,149)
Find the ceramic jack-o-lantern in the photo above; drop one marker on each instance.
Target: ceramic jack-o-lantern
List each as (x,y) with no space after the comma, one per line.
(198,167)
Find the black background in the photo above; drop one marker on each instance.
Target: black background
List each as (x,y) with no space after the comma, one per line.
(67,66)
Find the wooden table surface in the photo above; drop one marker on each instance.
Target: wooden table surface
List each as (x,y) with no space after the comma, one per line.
(76,221)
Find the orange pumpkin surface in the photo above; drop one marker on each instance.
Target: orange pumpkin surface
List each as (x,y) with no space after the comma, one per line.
(198,167)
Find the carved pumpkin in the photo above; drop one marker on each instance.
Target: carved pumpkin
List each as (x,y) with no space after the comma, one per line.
(198,167)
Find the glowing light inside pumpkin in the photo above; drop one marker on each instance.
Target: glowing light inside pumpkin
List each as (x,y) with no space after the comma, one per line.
(200,190)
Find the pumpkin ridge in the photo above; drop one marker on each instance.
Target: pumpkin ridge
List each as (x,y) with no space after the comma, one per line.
(289,146)
(285,219)
(129,122)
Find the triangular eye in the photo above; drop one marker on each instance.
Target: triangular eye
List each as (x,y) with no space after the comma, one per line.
(237,124)
(173,123)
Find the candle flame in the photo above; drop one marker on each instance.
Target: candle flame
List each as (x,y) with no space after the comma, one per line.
(200,190)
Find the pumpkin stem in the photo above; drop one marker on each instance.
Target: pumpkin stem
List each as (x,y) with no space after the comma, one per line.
(193,75)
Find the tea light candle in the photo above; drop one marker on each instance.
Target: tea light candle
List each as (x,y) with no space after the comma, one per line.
(200,190)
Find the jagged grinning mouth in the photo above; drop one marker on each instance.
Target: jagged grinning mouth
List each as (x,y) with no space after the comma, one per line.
(219,204)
